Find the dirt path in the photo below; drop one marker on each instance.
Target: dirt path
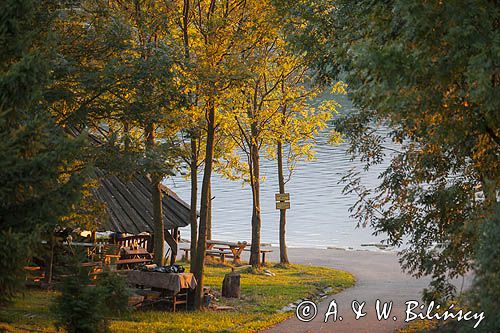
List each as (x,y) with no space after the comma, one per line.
(378,276)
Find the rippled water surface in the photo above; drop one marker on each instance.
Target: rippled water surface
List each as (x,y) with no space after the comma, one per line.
(319,214)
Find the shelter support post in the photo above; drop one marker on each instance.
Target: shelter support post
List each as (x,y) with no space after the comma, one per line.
(171,237)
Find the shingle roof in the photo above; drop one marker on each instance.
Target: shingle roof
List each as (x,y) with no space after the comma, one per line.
(129,205)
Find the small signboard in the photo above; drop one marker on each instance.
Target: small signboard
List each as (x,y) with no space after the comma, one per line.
(283,205)
(282,196)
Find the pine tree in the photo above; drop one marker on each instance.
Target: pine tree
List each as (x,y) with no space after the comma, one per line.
(37,185)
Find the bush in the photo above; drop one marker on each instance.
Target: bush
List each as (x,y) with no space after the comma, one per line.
(78,308)
(14,254)
(114,289)
(485,294)
(86,308)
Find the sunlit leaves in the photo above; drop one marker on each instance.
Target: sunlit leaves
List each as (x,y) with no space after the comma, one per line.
(427,70)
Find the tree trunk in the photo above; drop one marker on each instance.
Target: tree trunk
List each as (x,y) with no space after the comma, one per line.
(256,218)
(159,239)
(281,182)
(194,201)
(49,268)
(194,151)
(204,207)
(126,132)
(209,219)
(156,198)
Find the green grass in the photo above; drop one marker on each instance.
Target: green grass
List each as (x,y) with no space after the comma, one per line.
(262,297)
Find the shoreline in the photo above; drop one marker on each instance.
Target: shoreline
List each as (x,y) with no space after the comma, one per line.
(368,247)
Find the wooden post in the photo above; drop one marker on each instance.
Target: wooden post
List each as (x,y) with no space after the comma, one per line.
(231,285)
(175,250)
(172,242)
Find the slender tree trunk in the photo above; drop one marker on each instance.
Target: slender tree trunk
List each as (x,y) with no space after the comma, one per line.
(194,152)
(156,198)
(194,203)
(126,132)
(256,218)
(159,237)
(49,269)
(281,182)
(209,219)
(205,202)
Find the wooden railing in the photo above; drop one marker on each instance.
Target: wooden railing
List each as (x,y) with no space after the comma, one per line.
(144,241)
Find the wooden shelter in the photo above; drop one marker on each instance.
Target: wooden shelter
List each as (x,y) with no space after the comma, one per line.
(130,209)
(129,204)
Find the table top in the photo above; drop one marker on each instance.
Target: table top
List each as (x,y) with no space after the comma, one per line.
(230,244)
(170,281)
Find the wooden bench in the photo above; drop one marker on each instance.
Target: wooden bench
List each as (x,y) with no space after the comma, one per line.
(91,264)
(129,263)
(219,253)
(263,253)
(186,253)
(223,253)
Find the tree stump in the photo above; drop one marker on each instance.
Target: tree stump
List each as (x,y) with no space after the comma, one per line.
(231,285)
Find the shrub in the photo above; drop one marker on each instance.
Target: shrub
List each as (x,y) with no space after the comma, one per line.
(86,308)
(79,307)
(13,256)
(115,293)
(485,294)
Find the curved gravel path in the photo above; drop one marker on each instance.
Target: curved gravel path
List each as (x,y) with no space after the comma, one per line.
(378,276)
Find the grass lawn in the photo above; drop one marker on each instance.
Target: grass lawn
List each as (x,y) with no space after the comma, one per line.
(262,297)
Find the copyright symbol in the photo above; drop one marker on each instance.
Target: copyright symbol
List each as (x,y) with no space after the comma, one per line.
(306,311)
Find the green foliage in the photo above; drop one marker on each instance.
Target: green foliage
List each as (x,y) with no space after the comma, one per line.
(485,293)
(429,72)
(79,307)
(37,182)
(86,305)
(13,254)
(116,76)
(114,288)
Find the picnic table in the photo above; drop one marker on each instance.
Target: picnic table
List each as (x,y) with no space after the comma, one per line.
(235,248)
(223,249)
(173,286)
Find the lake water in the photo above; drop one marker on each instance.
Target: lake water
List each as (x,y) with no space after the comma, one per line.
(319,214)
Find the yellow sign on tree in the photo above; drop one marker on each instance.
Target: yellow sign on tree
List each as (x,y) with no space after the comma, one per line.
(282,196)
(283,205)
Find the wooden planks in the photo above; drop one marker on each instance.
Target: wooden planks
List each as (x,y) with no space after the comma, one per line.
(129,205)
